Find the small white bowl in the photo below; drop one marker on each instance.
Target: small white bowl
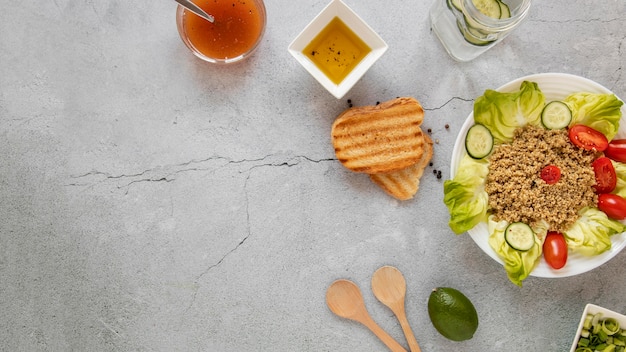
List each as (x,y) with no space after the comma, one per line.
(337,8)
(593,309)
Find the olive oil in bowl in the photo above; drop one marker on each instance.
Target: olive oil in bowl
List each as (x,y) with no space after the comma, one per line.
(337,47)
(336,50)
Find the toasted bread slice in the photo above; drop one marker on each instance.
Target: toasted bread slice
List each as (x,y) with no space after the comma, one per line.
(403,184)
(381,138)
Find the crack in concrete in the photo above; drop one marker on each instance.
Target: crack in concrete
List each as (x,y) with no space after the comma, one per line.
(291,162)
(288,163)
(448,102)
(121,176)
(232,250)
(181,168)
(591,20)
(168,173)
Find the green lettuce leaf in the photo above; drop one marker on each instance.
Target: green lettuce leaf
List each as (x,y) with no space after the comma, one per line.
(518,265)
(598,111)
(620,170)
(590,234)
(465,195)
(502,113)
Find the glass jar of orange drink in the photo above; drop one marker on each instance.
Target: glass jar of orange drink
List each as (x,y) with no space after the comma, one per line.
(235,33)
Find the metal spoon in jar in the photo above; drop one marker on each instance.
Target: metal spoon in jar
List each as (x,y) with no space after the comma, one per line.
(196,9)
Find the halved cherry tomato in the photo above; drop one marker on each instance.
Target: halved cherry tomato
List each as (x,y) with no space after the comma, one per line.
(616,150)
(587,138)
(555,250)
(613,205)
(551,174)
(606,179)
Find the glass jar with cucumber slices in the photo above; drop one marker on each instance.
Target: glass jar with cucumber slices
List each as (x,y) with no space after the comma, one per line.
(468,28)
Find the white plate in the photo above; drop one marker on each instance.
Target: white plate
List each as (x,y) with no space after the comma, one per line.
(555,86)
(593,309)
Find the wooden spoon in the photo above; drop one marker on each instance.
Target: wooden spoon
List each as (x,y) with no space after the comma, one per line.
(389,287)
(343,297)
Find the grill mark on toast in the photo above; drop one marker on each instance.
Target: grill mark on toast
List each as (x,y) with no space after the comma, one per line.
(381,138)
(404,184)
(409,139)
(369,130)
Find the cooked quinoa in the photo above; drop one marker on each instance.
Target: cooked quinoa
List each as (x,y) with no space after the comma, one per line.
(516,190)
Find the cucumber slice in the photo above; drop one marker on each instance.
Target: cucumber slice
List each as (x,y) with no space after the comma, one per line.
(489,8)
(478,141)
(505,12)
(476,33)
(556,115)
(519,236)
(472,38)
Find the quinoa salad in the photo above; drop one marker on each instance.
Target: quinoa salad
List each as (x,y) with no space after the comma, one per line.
(514,174)
(530,185)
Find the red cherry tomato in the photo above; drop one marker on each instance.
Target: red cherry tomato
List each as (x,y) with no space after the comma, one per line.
(555,250)
(613,205)
(551,174)
(587,138)
(616,150)
(606,179)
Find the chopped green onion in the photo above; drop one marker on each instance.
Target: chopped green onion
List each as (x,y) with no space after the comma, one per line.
(601,334)
(587,322)
(610,326)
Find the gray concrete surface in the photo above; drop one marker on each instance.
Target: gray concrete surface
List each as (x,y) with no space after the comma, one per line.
(153,202)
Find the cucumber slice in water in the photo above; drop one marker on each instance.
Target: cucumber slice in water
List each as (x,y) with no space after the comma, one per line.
(556,115)
(478,141)
(489,8)
(472,38)
(492,8)
(505,12)
(519,236)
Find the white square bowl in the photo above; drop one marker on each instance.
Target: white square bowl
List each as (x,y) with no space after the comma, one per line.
(593,309)
(337,8)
